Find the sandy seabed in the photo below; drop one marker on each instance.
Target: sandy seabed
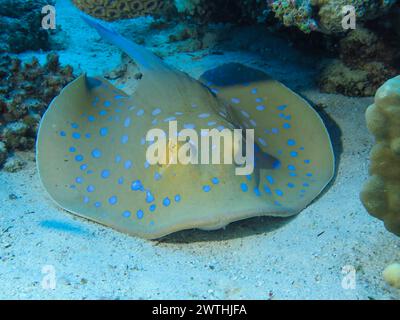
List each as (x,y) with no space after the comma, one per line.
(261,258)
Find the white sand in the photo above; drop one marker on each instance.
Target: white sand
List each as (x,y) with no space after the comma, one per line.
(263,258)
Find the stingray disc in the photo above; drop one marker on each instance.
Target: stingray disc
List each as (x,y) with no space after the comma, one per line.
(92,148)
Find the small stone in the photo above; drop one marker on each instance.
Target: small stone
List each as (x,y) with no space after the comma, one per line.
(14,164)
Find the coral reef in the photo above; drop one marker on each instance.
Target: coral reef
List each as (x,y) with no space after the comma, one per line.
(122,9)
(363,73)
(25,92)
(381,193)
(392,275)
(326,16)
(20,26)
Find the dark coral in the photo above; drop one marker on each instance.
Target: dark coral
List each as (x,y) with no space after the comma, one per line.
(26,89)
(366,61)
(21,26)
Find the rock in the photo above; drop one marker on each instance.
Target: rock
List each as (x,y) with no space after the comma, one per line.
(14,164)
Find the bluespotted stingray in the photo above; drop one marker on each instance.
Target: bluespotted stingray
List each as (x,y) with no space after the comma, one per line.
(91,148)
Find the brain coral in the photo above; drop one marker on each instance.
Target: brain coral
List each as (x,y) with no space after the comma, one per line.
(381,193)
(111,10)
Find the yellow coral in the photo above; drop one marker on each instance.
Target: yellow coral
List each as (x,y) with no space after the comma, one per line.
(121,9)
(381,193)
(392,275)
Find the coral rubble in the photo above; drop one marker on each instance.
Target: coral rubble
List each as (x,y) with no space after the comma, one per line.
(26,89)
(381,193)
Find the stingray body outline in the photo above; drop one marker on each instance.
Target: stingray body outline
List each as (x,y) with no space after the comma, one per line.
(91,151)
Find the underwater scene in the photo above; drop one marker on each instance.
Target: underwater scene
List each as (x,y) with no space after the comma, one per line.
(199,150)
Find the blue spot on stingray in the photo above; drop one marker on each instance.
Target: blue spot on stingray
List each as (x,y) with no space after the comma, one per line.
(152,208)
(257,192)
(107,104)
(254,91)
(156,112)
(279,192)
(166,202)
(121,180)
(97,204)
(305,184)
(244,187)
(79,180)
(140,214)
(127,214)
(286,126)
(309,174)
(140,113)
(90,172)
(102,112)
(88,135)
(215,180)
(291,142)
(103,132)
(149,197)
(248,177)
(128,164)
(137,185)
(294,154)
(260,108)
(105,174)
(74,125)
(292,174)
(91,118)
(267,189)
(83,167)
(118,159)
(276,165)
(275,130)
(177,198)
(270,179)
(76,135)
(281,108)
(235,100)
(90,189)
(124,139)
(290,185)
(118,97)
(96,153)
(206,188)
(79,158)
(63,134)
(113,200)
(127,122)
(307,161)
(291,167)
(86,199)
(288,117)
(157,176)
(72,149)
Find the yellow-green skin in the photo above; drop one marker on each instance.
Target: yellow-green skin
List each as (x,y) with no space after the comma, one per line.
(381,193)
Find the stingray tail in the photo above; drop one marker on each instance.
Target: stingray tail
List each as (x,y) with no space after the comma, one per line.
(144,58)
